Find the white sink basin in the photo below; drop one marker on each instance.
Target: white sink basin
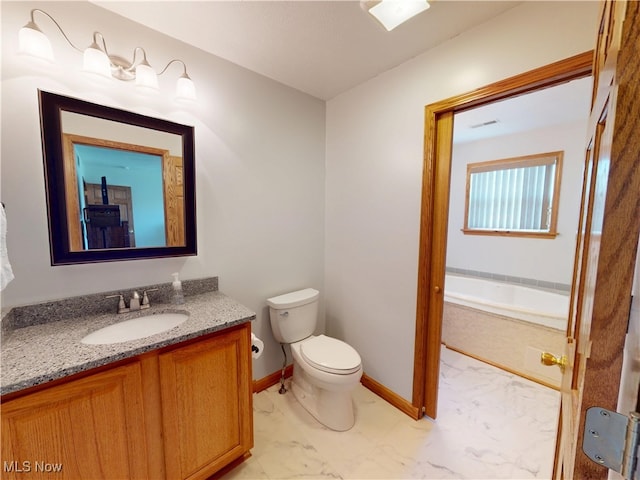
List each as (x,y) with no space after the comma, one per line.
(134,329)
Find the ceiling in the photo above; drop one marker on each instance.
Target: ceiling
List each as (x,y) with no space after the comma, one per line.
(326,47)
(563,104)
(322,48)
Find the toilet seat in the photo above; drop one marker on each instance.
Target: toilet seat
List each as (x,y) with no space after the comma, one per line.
(330,355)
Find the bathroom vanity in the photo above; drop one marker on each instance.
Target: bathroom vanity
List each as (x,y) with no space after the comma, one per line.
(175,405)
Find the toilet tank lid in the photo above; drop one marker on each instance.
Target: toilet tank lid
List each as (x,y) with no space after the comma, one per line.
(294,299)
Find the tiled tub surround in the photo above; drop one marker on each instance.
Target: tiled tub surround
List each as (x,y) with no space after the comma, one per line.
(529,282)
(508,343)
(509,325)
(49,347)
(533,305)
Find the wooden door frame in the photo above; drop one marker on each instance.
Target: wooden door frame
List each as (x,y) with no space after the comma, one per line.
(435,207)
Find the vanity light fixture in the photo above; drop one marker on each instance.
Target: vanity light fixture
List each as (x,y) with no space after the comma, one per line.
(391,13)
(97,59)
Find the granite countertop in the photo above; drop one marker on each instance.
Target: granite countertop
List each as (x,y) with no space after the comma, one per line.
(36,354)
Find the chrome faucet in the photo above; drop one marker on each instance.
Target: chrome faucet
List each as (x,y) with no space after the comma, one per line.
(134,302)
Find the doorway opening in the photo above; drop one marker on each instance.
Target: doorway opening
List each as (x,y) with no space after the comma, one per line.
(518,162)
(439,128)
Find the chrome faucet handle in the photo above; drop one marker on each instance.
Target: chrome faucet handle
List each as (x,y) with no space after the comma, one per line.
(122,307)
(145,298)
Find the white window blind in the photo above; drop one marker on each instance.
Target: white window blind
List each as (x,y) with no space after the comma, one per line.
(512,196)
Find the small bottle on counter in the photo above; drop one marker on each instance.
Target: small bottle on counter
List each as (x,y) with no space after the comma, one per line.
(178,296)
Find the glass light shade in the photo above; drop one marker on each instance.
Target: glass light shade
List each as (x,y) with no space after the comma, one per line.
(185,88)
(96,61)
(34,43)
(146,76)
(391,13)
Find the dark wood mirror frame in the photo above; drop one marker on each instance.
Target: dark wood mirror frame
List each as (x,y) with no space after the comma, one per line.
(51,106)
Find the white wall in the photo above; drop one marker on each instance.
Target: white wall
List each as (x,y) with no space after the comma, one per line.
(374,169)
(550,260)
(259,168)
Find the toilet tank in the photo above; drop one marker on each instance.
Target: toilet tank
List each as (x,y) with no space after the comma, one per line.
(294,315)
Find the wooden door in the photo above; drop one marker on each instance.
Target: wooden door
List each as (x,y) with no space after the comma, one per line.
(85,429)
(207,413)
(431,287)
(608,238)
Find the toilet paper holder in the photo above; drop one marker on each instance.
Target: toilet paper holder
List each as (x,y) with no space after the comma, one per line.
(257,346)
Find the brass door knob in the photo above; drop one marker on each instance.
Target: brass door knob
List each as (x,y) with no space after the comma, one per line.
(549,359)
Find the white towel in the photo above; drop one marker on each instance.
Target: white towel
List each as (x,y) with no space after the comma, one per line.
(6,274)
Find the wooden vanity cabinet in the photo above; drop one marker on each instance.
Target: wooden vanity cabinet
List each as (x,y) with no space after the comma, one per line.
(183,412)
(88,428)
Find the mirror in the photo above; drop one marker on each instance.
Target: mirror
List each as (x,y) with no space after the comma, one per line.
(120,185)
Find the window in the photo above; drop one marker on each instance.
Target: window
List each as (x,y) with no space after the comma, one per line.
(515,196)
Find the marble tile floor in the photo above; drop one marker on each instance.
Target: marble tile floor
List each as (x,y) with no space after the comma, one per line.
(491,425)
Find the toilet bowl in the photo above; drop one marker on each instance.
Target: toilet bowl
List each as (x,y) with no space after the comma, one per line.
(325,372)
(325,369)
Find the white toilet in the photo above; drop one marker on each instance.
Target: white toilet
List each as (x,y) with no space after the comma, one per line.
(325,369)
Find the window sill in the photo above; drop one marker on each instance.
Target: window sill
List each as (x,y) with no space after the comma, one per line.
(510,233)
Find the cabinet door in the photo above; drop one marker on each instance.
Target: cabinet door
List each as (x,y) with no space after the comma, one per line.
(90,428)
(206,404)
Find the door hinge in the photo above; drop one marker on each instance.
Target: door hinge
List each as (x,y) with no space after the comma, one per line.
(611,440)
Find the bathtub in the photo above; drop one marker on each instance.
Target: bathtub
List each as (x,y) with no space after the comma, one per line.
(523,303)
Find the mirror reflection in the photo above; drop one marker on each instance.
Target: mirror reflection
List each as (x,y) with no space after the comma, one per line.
(128,195)
(119,185)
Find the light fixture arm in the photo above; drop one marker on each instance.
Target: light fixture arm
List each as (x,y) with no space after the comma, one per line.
(122,68)
(185,89)
(32,24)
(104,42)
(135,54)
(125,69)
(175,60)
